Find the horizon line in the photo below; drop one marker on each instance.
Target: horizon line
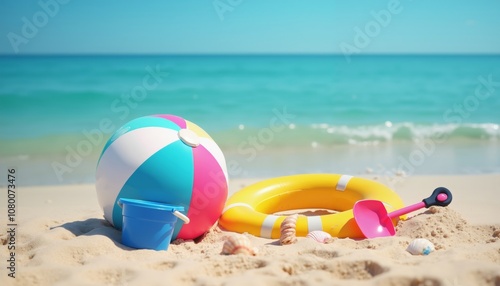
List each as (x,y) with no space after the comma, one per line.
(242,54)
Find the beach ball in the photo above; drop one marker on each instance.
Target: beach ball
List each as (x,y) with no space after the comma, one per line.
(167,159)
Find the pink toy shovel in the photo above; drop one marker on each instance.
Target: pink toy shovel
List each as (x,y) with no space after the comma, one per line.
(374,221)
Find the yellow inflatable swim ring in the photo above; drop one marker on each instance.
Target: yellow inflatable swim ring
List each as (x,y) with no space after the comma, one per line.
(252,208)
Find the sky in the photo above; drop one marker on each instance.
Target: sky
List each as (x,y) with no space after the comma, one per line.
(249,26)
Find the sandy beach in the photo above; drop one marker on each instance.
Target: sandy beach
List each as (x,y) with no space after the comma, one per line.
(62,239)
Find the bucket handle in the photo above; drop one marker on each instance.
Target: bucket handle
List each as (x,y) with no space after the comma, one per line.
(181,216)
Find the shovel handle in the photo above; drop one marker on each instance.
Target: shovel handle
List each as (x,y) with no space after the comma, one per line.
(440,197)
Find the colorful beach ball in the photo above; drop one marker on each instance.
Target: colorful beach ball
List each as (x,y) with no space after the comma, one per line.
(164,158)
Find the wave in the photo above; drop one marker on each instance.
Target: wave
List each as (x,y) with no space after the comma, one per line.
(289,136)
(323,134)
(411,132)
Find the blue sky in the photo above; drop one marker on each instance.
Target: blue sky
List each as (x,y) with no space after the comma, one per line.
(249,26)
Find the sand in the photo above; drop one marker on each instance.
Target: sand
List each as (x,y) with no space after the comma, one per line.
(62,239)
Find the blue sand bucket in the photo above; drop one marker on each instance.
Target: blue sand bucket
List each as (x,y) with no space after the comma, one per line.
(149,224)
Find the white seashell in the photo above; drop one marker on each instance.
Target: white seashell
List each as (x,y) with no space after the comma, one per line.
(319,236)
(238,244)
(287,230)
(420,246)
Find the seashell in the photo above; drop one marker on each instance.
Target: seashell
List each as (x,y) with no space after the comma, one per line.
(420,246)
(287,230)
(238,244)
(319,236)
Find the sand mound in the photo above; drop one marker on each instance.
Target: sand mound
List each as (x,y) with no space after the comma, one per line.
(446,228)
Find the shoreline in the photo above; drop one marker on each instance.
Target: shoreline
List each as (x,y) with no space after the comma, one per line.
(384,160)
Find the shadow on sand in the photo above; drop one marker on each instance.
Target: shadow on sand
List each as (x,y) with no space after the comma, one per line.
(94,226)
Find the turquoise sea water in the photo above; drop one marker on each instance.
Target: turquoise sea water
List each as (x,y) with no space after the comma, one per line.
(271,115)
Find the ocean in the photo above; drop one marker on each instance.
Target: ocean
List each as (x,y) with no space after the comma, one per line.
(271,115)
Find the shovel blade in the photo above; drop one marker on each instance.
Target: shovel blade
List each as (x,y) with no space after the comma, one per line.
(372,219)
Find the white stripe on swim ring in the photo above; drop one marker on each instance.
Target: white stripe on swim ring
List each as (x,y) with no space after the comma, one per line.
(236,205)
(314,223)
(342,183)
(267,226)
